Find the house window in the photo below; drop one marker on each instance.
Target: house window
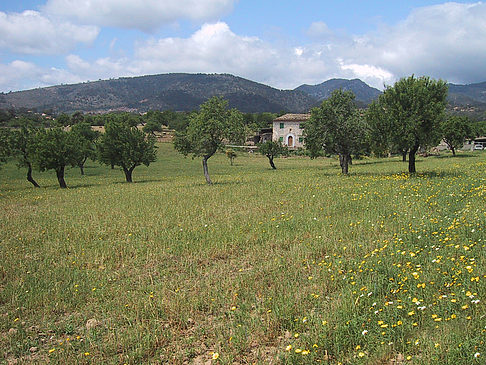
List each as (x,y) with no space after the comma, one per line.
(281,126)
(280,139)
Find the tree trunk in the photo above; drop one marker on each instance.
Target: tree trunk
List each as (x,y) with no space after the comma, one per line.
(411,159)
(453,151)
(270,159)
(128,174)
(344,162)
(231,161)
(404,156)
(29,176)
(112,166)
(60,177)
(81,166)
(205,169)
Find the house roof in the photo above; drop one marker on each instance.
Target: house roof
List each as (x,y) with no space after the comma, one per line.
(292,118)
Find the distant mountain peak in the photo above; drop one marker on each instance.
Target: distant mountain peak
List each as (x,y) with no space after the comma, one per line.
(365,94)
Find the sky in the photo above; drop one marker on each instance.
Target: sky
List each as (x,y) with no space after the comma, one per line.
(283,43)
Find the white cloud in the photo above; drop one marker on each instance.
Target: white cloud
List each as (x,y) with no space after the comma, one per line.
(319,30)
(216,49)
(444,41)
(146,15)
(370,74)
(213,48)
(102,68)
(31,32)
(21,75)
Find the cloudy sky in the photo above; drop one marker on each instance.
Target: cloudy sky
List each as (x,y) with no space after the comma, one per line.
(280,43)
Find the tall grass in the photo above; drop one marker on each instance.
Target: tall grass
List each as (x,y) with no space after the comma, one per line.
(297,265)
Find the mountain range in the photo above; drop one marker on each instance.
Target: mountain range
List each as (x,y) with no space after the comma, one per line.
(185,92)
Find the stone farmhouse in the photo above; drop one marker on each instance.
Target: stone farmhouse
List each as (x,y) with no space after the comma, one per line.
(288,130)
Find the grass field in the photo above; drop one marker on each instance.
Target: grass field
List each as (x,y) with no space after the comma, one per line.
(295,266)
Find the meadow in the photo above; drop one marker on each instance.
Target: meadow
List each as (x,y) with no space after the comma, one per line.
(300,265)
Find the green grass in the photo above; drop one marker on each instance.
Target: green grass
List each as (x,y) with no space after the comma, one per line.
(295,266)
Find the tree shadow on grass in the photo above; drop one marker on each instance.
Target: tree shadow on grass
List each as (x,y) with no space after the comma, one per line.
(417,175)
(141,181)
(77,186)
(461,155)
(376,162)
(433,174)
(223,183)
(202,183)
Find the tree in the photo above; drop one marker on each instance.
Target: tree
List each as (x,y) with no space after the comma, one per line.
(5,145)
(21,142)
(86,141)
(414,107)
(478,129)
(77,117)
(126,146)
(152,126)
(63,120)
(337,127)
(209,129)
(231,154)
(54,149)
(272,149)
(154,120)
(384,137)
(455,129)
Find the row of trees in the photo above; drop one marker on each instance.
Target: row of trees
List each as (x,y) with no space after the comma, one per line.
(121,145)
(408,115)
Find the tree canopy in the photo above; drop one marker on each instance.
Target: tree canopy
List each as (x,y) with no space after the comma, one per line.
(21,144)
(124,145)
(86,138)
(411,111)
(272,149)
(454,130)
(5,149)
(208,131)
(336,127)
(54,149)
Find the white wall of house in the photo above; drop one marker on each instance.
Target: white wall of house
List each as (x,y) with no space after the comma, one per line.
(289,133)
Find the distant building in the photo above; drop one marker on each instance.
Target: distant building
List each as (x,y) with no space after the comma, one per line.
(288,129)
(265,134)
(479,143)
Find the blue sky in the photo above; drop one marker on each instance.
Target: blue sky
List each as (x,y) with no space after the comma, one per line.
(283,44)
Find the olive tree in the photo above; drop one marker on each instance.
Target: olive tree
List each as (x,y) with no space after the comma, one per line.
(54,149)
(124,145)
(209,129)
(272,149)
(86,141)
(5,147)
(413,108)
(21,145)
(337,128)
(454,130)
(231,154)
